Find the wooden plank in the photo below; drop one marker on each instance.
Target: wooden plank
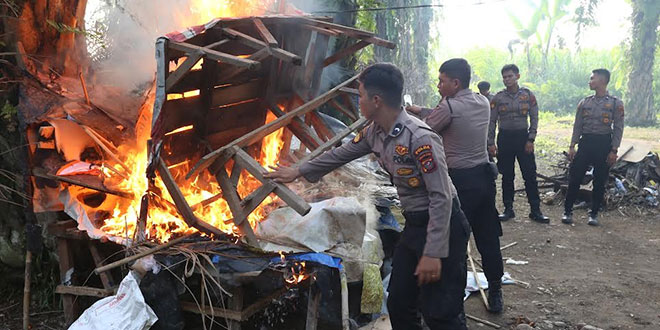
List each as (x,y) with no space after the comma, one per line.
(271,127)
(303,132)
(286,194)
(349,90)
(258,44)
(335,104)
(65,256)
(73,290)
(259,55)
(320,126)
(348,101)
(351,32)
(255,198)
(345,52)
(234,201)
(332,142)
(322,30)
(236,93)
(181,204)
(182,70)
(261,303)
(87,181)
(313,299)
(106,277)
(208,310)
(264,32)
(214,55)
(235,174)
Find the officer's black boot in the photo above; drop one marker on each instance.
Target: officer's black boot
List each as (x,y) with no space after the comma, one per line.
(495,301)
(537,216)
(508,212)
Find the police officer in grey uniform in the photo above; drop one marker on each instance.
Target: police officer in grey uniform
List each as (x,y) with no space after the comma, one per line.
(511,108)
(484,89)
(462,119)
(599,128)
(429,264)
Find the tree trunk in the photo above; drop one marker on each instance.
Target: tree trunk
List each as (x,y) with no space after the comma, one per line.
(645,16)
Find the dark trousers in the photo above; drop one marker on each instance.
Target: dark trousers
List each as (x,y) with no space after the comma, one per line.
(511,146)
(441,302)
(476,190)
(593,150)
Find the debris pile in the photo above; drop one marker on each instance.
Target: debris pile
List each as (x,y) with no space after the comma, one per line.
(634,180)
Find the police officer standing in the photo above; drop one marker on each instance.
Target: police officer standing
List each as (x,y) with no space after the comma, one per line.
(484,89)
(599,128)
(462,118)
(429,263)
(511,108)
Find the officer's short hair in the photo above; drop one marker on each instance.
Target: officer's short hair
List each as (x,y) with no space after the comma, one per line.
(483,86)
(457,68)
(385,80)
(604,73)
(510,67)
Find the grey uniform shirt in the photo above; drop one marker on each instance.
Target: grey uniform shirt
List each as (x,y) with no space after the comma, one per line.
(462,121)
(511,111)
(413,155)
(599,115)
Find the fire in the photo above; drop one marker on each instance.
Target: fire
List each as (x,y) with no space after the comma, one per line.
(202,11)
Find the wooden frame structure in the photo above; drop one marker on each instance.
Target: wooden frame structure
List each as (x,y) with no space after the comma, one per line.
(249,66)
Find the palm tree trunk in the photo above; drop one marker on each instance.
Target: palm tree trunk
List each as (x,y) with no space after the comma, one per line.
(645,16)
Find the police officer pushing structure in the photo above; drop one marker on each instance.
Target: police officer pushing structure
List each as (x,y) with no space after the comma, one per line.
(429,264)
(598,129)
(516,112)
(462,119)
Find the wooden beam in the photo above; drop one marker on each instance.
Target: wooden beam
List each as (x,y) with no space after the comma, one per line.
(87,181)
(255,198)
(208,310)
(351,32)
(83,291)
(264,33)
(259,55)
(214,55)
(345,52)
(350,114)
(348,101)
(234,201)
(288,196)
(299,129)
(106,277)
(321,30)
(182,70)
(271,127)
(320,126)
(258,44)
(349,90)
(332,142)
(180,202)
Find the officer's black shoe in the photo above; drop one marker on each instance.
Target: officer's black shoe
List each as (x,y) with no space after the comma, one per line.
(537,216)
(593,220)
(508,214)
(567,218)
(495,302)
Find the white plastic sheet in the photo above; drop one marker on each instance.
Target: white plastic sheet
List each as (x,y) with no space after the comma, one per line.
(124,311)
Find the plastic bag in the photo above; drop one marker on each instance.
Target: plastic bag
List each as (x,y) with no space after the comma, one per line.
(124,311)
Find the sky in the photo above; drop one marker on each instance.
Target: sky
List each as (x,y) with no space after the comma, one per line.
(489,23)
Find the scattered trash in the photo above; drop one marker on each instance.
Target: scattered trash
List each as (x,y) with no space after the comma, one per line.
(516,262)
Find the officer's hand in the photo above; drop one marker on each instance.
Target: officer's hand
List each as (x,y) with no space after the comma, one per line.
(529,147)
(283,174)
(611,158)
(414,109)
(571,153)
(428,270)
(492,150)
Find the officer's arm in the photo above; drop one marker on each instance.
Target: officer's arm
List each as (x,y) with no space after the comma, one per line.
(493,122)
(430,158)
(439,118)
(425,112)
(316,168)
(533,117)
(577,125)
(617,134)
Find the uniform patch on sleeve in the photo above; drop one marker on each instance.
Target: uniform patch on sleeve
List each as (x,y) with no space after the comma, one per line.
(401,150)
(413,182)
(492,105)
(422,149)
(404,171)
(524,97)
(532,99)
